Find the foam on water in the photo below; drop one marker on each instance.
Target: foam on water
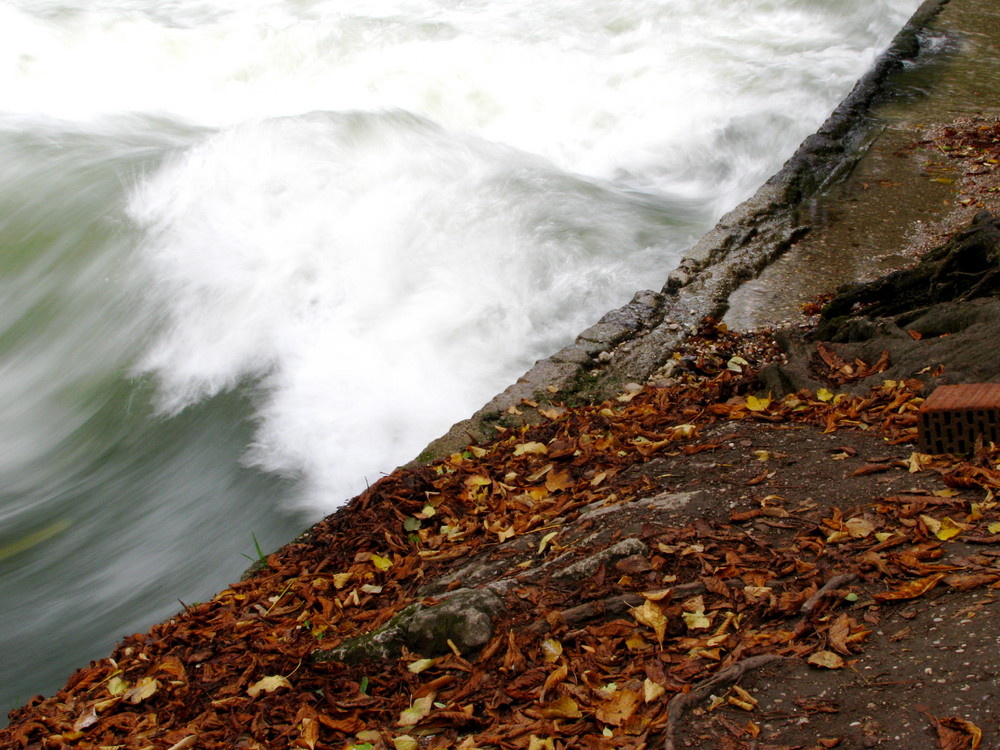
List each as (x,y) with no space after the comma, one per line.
(485,181)
(378,276)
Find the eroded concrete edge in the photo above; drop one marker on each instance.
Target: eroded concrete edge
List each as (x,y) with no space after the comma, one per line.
(628,344)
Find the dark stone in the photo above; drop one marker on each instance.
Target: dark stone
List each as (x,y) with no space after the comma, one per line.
(966,267)
(465,618)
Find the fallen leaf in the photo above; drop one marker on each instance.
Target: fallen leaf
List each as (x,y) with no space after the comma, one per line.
(530,448)
(551,650)
(405,742)
(619,707)
(310,733)
(651,615)
(545,541)
(268,685)
(420,665)
(382,563)
(417,711)
(86,719)
(957,733)
(562,707)
(651,691)
(537,743)
(758,404)
(827,660)
(911,590)
(859,528)
(143,689)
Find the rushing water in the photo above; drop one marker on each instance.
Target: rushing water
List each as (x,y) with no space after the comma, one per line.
(253,253)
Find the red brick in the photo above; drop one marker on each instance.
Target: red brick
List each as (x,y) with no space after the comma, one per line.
(954,416)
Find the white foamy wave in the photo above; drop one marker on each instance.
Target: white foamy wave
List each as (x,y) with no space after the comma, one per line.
(379,277)
(625,90)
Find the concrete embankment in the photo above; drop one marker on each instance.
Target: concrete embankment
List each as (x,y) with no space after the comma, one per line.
(855,200)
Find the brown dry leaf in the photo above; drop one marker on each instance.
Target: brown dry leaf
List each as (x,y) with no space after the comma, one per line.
(911,589)
(268,685)
(87,718)
(859,528)
(955,733)
(827,660)
(970,581)
(619,707)
(562,707)
(559,480)
(839,633)
(555,678)
(309,733)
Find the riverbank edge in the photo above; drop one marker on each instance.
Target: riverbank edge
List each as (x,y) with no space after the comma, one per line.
(630,343)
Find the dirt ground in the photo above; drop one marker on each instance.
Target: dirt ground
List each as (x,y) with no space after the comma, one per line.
(928,658)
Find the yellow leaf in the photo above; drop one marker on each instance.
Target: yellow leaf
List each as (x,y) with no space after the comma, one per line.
(933,525)
(504,534)
(883,535)
(545,541)
(758,404)
(117,686)
(416,712)
(268,685)
(537,743)
(651,690)
(562,707)
(341,579)
(636,643)
(143,689)
(685,431)
(696,620)
(743,699)
(650,615)
(551,650)
(382,563)
(827,660)
(420,665)
(824,395)
(762,455)
(405,742)
(478,452)
(994,528)
(528,448)
(948,530)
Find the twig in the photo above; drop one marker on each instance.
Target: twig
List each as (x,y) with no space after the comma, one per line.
(680,702)
(613,605)
(826,591)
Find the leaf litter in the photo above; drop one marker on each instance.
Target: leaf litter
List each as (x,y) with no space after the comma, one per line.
(775,571)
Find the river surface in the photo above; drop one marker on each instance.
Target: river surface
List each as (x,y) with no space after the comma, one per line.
(256,253)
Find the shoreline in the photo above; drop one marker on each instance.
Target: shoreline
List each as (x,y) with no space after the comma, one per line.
(630,343)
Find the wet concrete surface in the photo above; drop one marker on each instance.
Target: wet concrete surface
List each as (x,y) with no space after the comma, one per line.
(901,198)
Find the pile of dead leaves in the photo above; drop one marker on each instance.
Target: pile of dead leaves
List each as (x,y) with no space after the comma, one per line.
(612,661)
